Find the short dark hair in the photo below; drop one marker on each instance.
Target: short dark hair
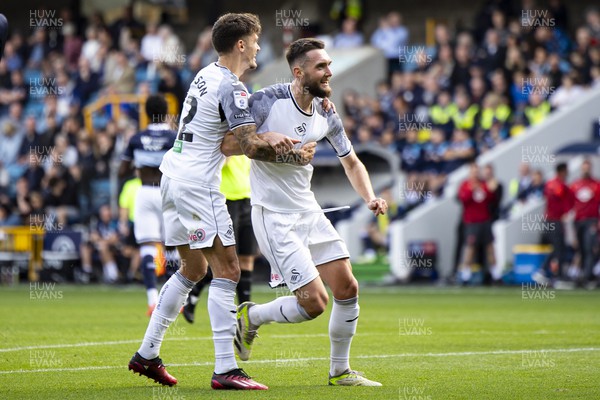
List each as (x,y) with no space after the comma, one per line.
(300,47)
(231,27)
(561,168)
(156,108)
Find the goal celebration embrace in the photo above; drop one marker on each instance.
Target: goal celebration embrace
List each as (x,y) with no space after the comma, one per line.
(220,118)
(329,200)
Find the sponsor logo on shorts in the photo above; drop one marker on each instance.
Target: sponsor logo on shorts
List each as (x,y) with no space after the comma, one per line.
(198,235)
(296,276)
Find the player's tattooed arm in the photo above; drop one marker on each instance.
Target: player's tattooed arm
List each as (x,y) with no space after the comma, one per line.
(230,145)
(252,146)
(281,143)
(271,147)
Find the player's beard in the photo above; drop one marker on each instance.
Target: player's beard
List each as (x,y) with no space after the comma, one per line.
(315,89)
(252,64)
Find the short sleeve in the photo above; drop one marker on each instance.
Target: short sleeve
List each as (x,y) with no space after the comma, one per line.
(233,99)
(336,136)
(260,107)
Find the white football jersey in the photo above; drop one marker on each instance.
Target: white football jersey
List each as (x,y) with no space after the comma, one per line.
(216,103)
(282,187)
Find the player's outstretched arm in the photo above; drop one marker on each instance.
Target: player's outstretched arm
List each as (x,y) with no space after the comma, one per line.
(359,178)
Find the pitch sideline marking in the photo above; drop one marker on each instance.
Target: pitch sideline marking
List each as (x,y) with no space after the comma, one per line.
(117,342)
(295,360)
(184,339)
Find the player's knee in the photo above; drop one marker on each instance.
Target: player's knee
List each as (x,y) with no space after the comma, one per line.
(315,304)
(348,291)
(192,271)
(229,270)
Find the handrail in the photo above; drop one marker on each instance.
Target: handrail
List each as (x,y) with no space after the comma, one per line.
(115,100)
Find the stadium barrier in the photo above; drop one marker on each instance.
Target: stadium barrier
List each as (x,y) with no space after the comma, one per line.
(113,105)
(525,226)
(20,249)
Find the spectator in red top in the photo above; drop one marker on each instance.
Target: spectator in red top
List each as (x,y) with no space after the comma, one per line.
(476,199)
(586,192)
(559,200)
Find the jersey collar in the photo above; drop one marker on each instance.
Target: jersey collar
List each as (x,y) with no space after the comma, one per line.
(297,106)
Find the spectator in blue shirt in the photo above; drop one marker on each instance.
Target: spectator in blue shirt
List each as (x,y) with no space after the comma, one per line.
(461,150)
(435,152)
(391,37)
(104,239)
(349,37)
(411,154)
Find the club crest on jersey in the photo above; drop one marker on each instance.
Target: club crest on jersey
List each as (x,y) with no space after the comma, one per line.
(197,236)
(296,276)
(301,129)
(240,98)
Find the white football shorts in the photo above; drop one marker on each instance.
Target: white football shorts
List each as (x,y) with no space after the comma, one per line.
(148,216)
(194,215)
(295,244)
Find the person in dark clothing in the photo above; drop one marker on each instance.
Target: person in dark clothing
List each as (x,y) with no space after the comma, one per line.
(411,154)
(87,82)
(476,198)
(496,188)
(33,144)
(35,173)
(171,83)
(461,74)
(559,201)
(3,33)
(586,192)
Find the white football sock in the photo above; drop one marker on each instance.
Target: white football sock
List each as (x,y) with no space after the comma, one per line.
(342,326)
(285,309)
(222,312)
(152,296)
(496,272)
(170,300)
(111,272)
(465,274)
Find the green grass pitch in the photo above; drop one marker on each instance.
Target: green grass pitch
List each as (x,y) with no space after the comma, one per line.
(67,342)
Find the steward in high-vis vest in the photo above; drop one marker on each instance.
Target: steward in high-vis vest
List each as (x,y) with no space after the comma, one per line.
(442,112)
(466,114)
(537,110)
(493,110)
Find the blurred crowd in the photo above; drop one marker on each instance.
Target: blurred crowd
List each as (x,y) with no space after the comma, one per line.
(443,105)
(49,160)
